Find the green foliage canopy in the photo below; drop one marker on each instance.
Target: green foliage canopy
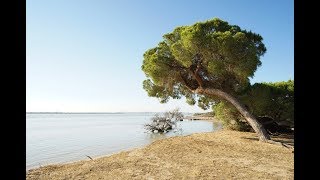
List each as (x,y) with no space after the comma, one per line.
(210,54)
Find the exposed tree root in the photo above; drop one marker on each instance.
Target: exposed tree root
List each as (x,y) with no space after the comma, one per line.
(273,134)
(279,143)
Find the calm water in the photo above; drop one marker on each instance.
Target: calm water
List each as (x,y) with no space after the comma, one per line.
(60,138)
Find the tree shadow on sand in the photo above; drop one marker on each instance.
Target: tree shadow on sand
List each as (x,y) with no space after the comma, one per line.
(283,138)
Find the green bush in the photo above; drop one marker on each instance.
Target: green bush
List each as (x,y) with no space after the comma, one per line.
(273,100)
(230,117)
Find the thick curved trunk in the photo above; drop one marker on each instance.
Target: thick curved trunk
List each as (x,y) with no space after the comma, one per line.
(257,127)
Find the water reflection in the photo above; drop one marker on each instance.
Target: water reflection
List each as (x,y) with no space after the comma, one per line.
(151,137)
(185,127)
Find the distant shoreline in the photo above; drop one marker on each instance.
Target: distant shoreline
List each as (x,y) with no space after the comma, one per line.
(194,118)
(92,112)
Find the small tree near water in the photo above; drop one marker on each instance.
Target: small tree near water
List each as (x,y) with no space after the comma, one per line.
(165,123)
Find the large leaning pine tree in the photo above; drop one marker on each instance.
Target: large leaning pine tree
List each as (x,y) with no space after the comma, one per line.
(208,59)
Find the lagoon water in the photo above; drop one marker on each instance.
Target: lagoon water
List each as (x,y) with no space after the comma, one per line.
(60,138)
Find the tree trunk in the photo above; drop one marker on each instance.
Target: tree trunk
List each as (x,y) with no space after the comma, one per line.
(257,127)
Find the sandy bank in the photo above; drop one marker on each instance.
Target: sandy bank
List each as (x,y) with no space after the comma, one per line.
(218,155)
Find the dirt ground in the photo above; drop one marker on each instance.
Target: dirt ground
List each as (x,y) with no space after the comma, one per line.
(217,155)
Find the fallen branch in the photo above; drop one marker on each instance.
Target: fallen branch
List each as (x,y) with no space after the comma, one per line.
(89,157)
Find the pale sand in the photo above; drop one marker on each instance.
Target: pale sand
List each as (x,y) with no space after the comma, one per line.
(217,155)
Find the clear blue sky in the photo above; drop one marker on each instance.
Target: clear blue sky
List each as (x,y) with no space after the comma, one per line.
(86,55)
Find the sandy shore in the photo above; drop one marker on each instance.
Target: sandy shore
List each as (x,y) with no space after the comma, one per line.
(217,155)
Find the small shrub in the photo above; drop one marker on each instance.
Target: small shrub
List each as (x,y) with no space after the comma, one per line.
(164,123)
(230,117)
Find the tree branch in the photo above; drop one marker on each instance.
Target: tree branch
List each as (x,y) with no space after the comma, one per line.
(185,83)
(195,73)
(197,76)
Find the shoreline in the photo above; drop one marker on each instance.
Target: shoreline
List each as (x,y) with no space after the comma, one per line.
(223,153)
(83,158)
